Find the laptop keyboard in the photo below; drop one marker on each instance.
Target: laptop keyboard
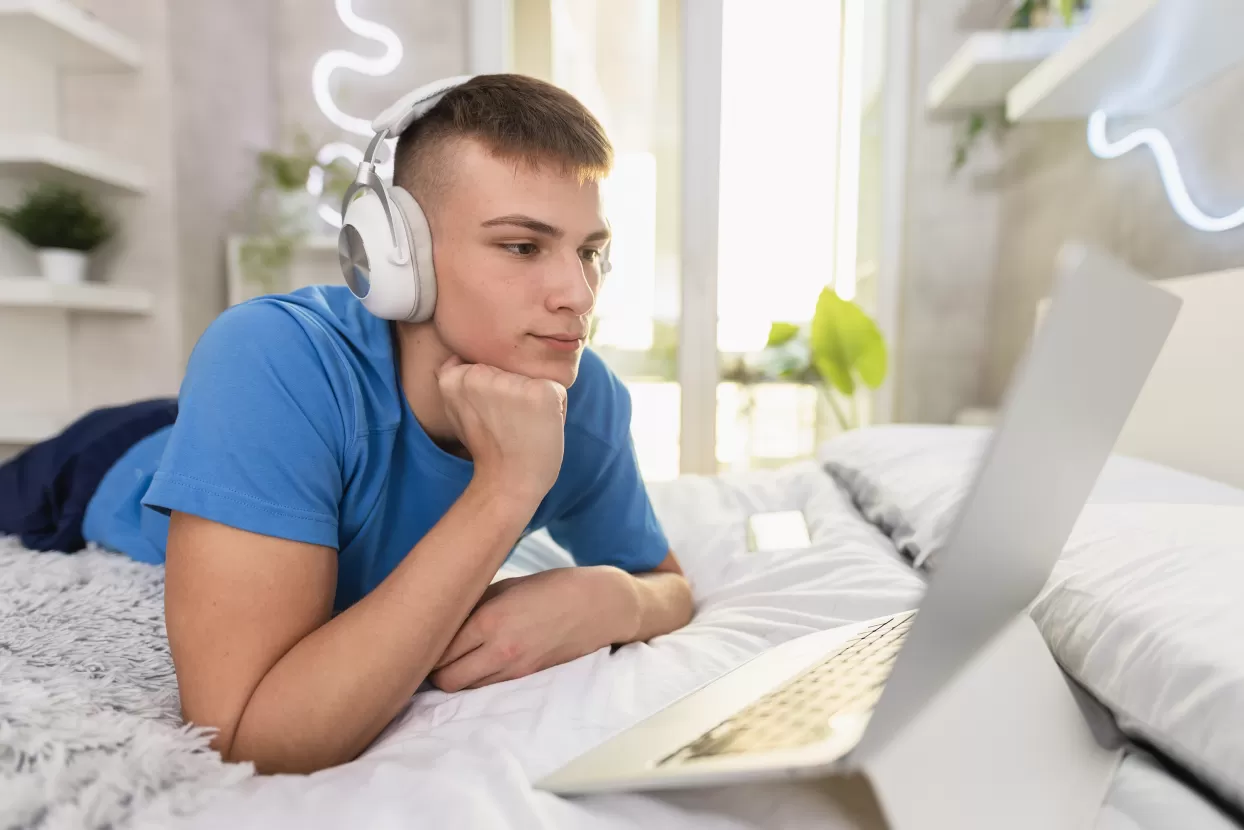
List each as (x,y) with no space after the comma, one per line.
(797,713)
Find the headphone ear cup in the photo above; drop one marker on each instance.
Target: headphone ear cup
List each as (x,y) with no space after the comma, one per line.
(365,249)
(420,237)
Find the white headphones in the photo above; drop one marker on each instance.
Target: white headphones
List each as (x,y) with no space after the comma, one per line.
(385,245)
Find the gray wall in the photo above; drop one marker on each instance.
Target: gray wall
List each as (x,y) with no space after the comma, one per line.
(951,230)
(434,40)
(224,110)
(980,245)
(1055,190)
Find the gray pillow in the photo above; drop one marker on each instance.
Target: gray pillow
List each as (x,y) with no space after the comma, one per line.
(910,480)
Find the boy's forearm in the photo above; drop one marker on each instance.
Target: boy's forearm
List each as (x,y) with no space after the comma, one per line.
(663,604)
(336,690)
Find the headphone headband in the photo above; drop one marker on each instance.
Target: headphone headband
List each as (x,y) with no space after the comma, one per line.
(414,105)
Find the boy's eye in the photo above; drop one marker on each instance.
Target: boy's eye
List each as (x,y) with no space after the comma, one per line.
(521,248)
(591,254)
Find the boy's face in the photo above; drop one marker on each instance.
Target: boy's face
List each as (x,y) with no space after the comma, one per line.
(517,252)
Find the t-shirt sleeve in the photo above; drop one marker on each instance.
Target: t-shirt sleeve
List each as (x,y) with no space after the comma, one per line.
(260,437)
(613,522)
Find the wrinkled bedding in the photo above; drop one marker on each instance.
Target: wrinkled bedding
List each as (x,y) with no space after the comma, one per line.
(467,760)
(1143,608)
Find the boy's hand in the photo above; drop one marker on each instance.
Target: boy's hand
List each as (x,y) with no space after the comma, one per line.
(526,624)
(513,426)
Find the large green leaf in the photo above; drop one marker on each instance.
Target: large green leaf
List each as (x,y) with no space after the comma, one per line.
(781,334)
(846,344)
(835,375)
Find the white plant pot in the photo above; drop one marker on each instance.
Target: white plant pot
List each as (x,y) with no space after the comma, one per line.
(62,266)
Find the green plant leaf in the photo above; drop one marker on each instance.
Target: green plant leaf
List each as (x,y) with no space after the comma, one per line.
(781,333)
(57,216)
(872,363)
(834,374)
(1022,16)
(1068,10)
(846,344)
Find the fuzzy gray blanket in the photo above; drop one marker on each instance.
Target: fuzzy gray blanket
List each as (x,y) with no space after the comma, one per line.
(90,735)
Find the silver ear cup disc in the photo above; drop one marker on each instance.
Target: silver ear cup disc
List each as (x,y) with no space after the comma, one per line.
(353,258)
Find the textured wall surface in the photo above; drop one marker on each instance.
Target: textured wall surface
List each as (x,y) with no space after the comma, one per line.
(224,110)
(434,40)
(1054,190)
(950,234)
(980,246)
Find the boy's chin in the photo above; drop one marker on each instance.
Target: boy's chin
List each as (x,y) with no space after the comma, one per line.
(563,370)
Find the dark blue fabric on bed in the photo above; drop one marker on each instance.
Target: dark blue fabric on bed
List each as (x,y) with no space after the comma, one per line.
(45,490)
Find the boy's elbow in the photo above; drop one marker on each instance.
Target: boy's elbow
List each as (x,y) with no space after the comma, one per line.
(274,760)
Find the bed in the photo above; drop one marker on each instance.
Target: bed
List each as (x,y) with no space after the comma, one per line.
(467,760)
(1140,610)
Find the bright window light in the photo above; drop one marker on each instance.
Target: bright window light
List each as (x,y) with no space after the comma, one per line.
(846,246)
(1168,168)
(626,300)
(779,128)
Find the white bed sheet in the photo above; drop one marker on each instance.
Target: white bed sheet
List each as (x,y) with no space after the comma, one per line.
(467,760)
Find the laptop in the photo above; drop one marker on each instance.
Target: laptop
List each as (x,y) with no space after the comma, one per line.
(812,706)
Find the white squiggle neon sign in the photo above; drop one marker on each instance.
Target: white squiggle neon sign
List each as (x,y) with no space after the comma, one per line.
(321,74)
(1168,167)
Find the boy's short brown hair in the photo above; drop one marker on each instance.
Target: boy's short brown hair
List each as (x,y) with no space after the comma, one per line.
(517,118)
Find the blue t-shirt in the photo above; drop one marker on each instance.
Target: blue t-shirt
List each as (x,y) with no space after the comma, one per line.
(292,424)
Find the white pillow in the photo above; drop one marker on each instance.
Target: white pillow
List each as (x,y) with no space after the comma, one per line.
(1146,609)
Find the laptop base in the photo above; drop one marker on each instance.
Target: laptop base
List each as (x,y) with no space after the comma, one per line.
(1008,743)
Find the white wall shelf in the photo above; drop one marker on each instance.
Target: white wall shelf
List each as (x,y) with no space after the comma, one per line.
(43,154)
(30,292)
(988,65)
(1133,57)
(59,32)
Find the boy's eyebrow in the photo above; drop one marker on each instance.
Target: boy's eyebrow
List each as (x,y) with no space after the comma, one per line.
(543,228)
(521,221)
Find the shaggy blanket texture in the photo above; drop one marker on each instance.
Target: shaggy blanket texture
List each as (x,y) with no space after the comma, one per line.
(90,735)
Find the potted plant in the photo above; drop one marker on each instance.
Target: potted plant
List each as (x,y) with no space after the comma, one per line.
(281,212)
(840,351)
(1027,14)
(63,225)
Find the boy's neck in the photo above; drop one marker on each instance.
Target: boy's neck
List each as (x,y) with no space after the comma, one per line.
(419,352)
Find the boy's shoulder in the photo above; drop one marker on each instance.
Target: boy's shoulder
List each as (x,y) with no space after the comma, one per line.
(315,330)
(317,310)
(311,346)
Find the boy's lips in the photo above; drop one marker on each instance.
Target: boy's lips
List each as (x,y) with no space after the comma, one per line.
(561,342)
